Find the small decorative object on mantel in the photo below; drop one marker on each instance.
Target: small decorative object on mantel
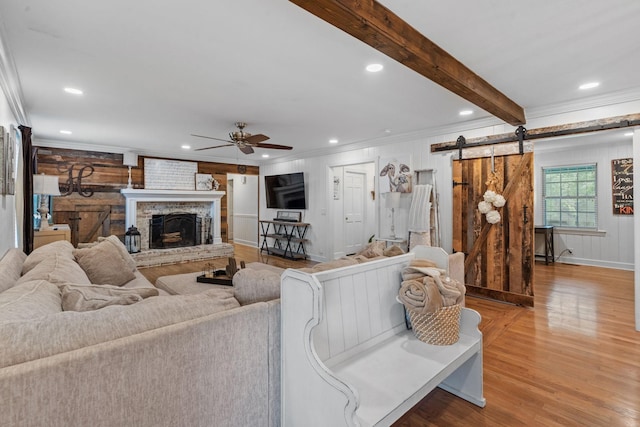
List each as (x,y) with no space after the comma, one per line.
(220,276)
(132,240)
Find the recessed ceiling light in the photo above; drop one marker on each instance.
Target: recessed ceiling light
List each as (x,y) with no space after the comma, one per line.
(333,141)
(466,112)
(185,147)
(374,68)
(628,134)
(265,156)
(73,90)
(66,132)
(589,85)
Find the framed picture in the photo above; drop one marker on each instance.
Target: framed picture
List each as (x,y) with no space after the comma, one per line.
(10,161)
(395,175)
(204,182)
(4,138)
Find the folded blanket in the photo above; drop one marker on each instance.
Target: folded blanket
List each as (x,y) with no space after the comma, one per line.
(451,291)
(93,297)
(420,297)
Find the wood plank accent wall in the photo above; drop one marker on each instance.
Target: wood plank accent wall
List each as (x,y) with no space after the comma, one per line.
(101,176)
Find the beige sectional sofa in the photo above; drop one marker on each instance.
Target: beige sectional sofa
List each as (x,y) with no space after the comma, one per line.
(79,349)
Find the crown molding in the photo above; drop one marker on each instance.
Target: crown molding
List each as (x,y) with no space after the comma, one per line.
(10,82)
(600,101)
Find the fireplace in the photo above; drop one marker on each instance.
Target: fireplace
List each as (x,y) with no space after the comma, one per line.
(141,205)
(175,230)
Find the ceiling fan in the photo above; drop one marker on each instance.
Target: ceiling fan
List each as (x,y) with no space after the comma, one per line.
(244,141)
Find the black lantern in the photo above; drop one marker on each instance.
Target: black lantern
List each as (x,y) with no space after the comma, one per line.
(132,240)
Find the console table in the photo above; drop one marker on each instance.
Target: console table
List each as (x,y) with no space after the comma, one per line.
(284,238)
(547,230)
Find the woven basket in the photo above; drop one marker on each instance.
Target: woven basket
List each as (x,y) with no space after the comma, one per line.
(441,327)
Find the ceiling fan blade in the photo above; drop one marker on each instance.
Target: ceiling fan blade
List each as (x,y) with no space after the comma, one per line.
(255,139)
(246,149)
(210,137)
(215,146)
(274,146)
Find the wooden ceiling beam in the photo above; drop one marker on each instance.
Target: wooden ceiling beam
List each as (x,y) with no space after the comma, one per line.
(377,26)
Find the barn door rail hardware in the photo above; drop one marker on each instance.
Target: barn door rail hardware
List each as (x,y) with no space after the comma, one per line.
(617,122)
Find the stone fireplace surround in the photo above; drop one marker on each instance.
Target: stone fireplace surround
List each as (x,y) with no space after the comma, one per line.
(141,204)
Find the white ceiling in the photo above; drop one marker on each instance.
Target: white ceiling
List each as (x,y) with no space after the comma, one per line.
(155,72)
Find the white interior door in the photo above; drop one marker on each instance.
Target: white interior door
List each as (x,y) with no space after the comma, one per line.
(354,197)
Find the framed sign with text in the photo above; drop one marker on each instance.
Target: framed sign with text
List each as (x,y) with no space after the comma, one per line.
(622,186)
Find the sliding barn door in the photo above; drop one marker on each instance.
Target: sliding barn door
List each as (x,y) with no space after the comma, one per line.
(500,256)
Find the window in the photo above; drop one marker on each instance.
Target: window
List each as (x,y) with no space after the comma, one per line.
(569,196)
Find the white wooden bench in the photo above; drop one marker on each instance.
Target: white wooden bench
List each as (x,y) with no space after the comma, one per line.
(347,357)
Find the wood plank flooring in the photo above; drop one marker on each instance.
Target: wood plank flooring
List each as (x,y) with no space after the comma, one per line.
(572,360)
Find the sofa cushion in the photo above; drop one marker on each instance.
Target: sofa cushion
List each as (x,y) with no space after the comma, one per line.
(11,268)
(104,264)
(251,286)
(69,330)
(30,300)
(43,252)
(124,253)
(93,297)
(56,268)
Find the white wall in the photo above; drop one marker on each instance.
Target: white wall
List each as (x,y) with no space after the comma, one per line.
(245,209)
(8,224)
(612,246)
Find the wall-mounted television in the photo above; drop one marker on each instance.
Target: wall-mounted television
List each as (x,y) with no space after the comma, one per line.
(285,191)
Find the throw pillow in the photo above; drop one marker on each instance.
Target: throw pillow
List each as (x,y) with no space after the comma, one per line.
(46,251)
(393,251)
(124,253)
(373,249)
(57,268)
(93,297)
(104,264)
(252,286)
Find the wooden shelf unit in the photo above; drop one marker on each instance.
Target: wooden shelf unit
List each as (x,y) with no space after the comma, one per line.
(284,238)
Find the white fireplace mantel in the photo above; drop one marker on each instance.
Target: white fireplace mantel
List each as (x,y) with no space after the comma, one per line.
(135,196)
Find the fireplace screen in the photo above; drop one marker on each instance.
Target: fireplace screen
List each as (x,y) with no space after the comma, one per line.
(175,230)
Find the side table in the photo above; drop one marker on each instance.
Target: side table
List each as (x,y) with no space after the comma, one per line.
(54,233)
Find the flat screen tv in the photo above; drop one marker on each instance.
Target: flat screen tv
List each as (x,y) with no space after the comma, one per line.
(285,191)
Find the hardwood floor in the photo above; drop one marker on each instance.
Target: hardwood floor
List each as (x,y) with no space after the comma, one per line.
(572,360)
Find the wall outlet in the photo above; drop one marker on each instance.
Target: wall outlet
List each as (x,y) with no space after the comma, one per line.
(570,250)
